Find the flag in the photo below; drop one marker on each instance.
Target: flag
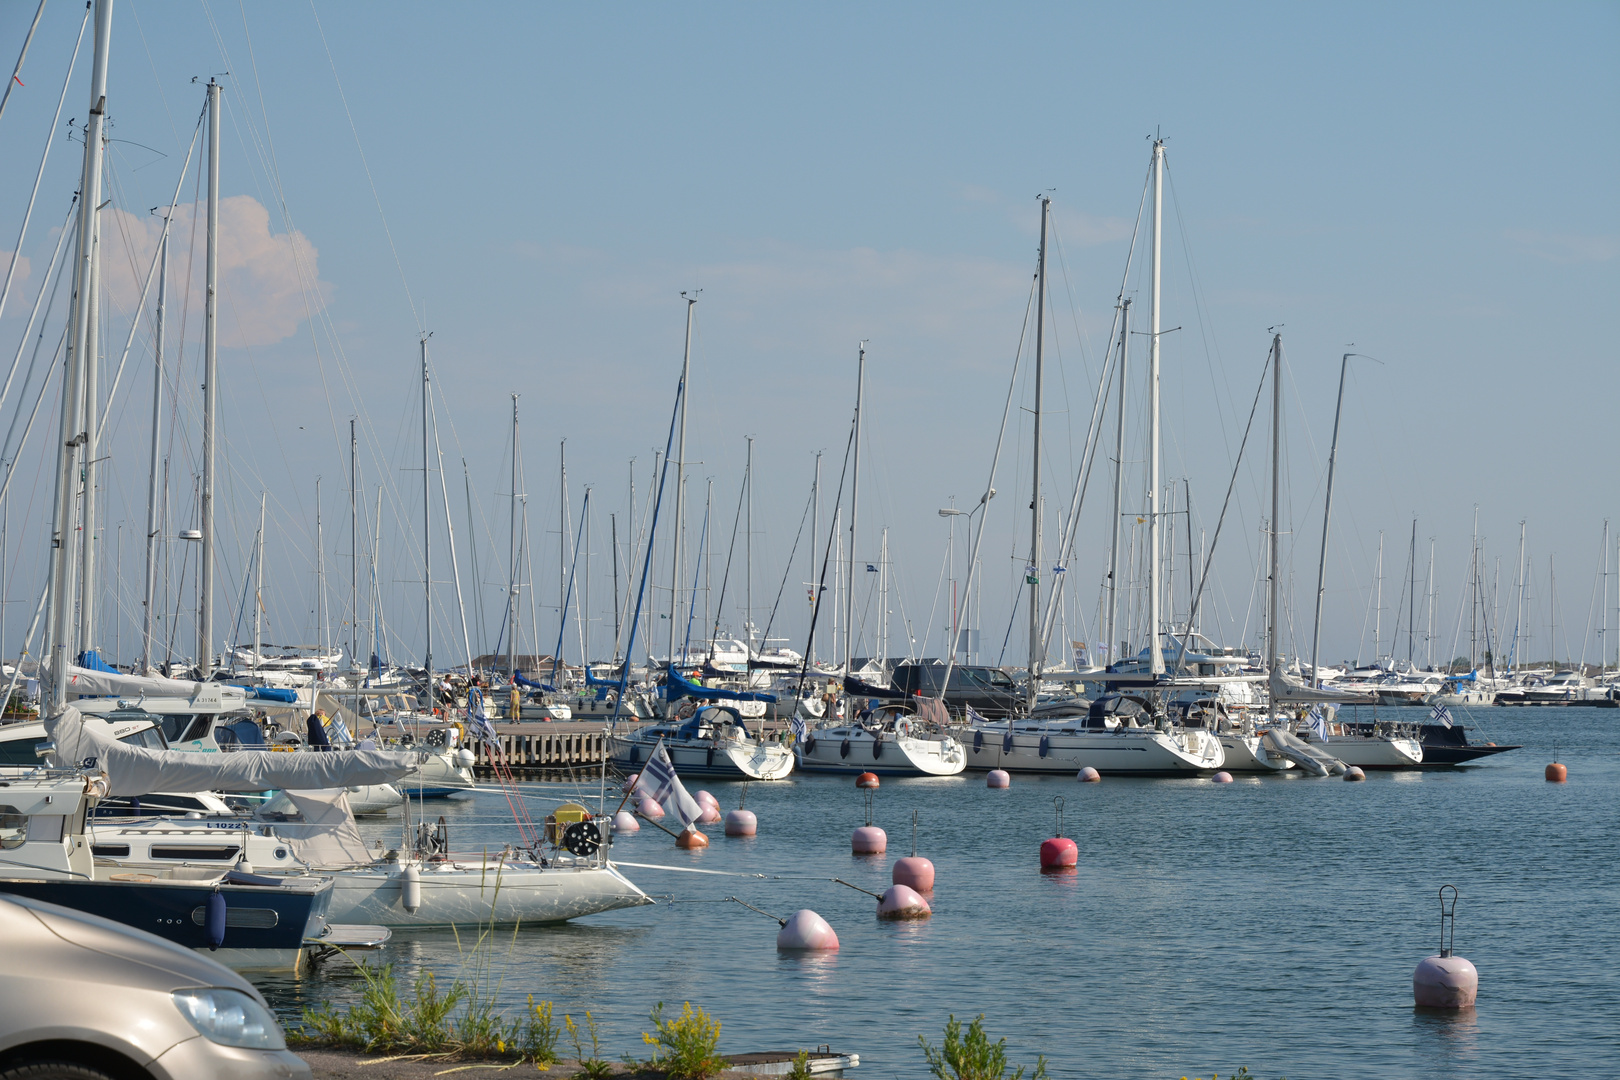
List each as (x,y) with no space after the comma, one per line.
(659,783)
(973,717)
(1441,715)
(798,727)
(871,569)
(1060,569)
(477,720)
(341,730)
(1317,719)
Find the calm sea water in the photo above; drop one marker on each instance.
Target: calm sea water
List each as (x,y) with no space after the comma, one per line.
(1273,922)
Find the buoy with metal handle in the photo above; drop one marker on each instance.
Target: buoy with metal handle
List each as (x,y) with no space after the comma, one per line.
(868,839)
(913,871)
(1445,981)
(1089,775)
(1059,853)
(867,780)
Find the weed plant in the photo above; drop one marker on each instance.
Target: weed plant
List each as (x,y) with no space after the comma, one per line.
(594,1066)
(973,1057)
(685,1048)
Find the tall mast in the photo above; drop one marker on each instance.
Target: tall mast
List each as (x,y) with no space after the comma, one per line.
(1518,615)
(883,598)
(854,504)
(205,563)
(512,609)
(62,569)
(585,585)
(1274,594)
(1411,593)
(1428,633)
(748,554)
(1155,653)
(320,575)
(676,575)
(1378,606)
(427,537)
(1112,639)
(564,530)
(354,545)
(618,626)
(1033,575)
(149,594)
(258,588)
(1327,519)
(92,433)
(815,531)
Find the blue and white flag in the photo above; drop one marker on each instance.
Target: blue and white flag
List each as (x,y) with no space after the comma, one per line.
(659,782)
(973,717)
(1317,720)
(798,727)
(871,568)
(1441,715)
(478,723)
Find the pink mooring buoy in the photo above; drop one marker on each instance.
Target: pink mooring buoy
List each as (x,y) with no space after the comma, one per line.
(998,778)
(649,808)
(903,902)
(1445,981)
(741,823)
(710,814)
(807,931)
(1222,777)
(629,784)
(1354,772)
(914,872)
(868,840)
(1088,775)
(625,823)
(1059,853)
(705,799)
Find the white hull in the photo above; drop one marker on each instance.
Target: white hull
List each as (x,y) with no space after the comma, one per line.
(1370,751)
(711,759)
(1246,753)
(855,751)
(437,778)
(464,894)
(1127,751)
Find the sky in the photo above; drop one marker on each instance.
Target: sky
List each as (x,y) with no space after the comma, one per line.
(535,185)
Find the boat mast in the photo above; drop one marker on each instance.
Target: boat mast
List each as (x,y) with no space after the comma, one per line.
(354,545)
(1518,614)
(512,609)
(147,614)
(205,564)
(815,530)
(1411,593)
(92,433)
(618,625)
(680,480)
(854,504)
(1155,652)
(748,554)
(1378,606)
(320,575)
(1429,604)
(1274,597)
(258,589)
(62,569)
(1111,641)
(564,528)
(883,600)
(427,536)
(1032,577)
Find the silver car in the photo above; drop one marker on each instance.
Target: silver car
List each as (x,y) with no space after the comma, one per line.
(85,998)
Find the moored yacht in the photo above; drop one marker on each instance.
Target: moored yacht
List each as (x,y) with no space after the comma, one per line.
(891,741)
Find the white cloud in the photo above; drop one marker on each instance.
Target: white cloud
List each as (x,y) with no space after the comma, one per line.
(1565,247)
(269,282)
(24,268)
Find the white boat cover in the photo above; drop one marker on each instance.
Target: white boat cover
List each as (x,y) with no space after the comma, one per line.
(327,837)
(83,682)
(1285,690)
(88,742)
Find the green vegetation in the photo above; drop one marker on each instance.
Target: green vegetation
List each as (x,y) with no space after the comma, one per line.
(593,1067)
(686,1048)
(974,1057)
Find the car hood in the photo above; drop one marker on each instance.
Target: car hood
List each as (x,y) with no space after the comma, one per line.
(132,949)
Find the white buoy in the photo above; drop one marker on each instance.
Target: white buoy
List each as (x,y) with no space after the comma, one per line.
(998,778)
(1088,775)
(625,823)
(903,902)
(807,931)
(868,840)
(741,823)
(410,889)
(464,758)
(1354,773)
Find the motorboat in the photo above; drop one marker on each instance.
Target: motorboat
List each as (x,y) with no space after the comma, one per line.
(1119,735)
(712,742)
(891,740)
(1377,744)
(1443,745)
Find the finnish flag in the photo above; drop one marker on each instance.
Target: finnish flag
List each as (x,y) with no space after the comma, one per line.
(1441,715)
(659,782)
(478,720)
(1317,720)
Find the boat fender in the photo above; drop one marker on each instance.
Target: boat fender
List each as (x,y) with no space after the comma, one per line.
(1046,745)
(998,778)
(978,741)
(877,748)
(464,758)
(708,758)
(635,754)
(809,744)
(410,890)
(214,920)
(843,749)
(1007,743)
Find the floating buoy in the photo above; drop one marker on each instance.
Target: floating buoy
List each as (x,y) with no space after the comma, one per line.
(710,814)
(1059,853)
(741,823)
(690,839)
(214,920)
(649,808)
(410,889)
(1557,773)
(998,778)
(914,872)
(1445,981)
(806,930)
(902,902)
(868,840)
(1088,775)
(1354,772)
(705,799)
(866,780)
(624,823)
(1222,777)
(629,784)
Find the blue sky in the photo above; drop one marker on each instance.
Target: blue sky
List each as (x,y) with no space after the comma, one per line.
(1432,182)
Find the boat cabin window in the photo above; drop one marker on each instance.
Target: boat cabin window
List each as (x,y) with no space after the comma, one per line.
(20,752)
(182,727)
(150,738)
(46,828)
(240,732)
(13,828)
(189,852)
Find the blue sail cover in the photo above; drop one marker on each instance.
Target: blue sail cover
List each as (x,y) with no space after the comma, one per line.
(91,659)
(857,688)
(680,687)
(519,678)
(272,693)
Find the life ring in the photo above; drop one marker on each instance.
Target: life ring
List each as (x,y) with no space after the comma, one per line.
(902,728)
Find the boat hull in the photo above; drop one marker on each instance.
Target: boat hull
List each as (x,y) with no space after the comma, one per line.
(854,751)
(463,894)
(1126,752)
(1246,753)
(1371,751)
(708,759)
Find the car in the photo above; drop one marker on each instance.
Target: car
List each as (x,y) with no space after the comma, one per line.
(85,998)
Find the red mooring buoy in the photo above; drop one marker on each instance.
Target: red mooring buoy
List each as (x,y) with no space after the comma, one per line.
(1059,853)
(867,780)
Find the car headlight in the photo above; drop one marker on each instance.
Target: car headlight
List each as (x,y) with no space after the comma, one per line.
(230,1018)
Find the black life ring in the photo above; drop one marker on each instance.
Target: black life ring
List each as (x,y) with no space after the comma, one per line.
(843,750)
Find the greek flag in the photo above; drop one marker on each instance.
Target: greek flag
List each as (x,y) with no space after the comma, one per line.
(477,720)
(1317,719)
(659,782)
(1441,715)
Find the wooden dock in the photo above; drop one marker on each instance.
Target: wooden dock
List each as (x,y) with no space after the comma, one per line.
(547,747)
